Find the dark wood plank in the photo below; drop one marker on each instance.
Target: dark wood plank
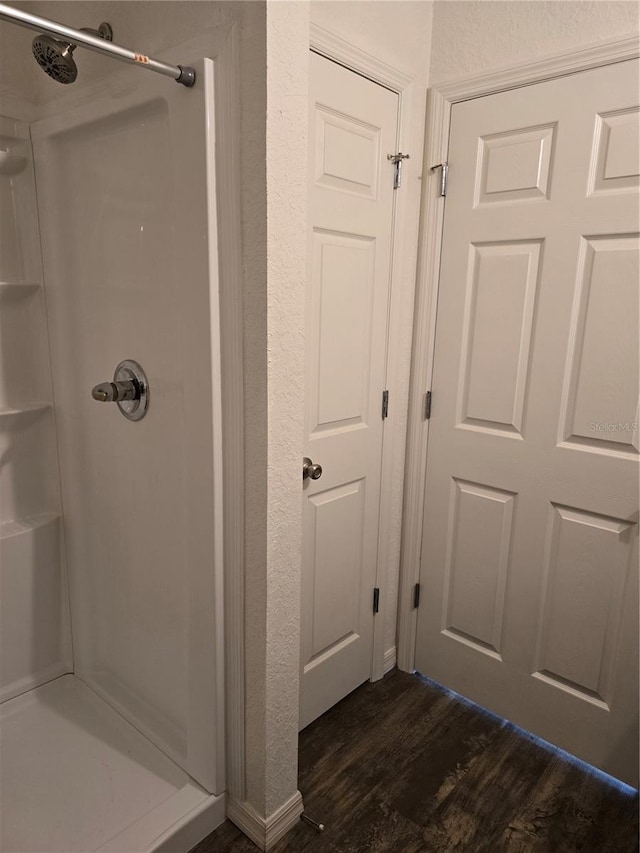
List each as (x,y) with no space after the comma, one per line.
(370,826)
(404,766)
(571,809)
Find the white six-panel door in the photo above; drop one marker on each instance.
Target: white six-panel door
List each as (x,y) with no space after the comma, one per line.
(353,126)
(529,557)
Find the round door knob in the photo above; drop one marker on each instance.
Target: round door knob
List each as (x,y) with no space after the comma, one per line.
(310,470)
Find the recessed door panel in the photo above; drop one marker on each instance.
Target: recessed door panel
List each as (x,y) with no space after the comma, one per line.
(499,309)
(337,533)
(587,562)
(514,166)
(477,563)
(602,380)
(616,144)
(347,153)
(342,294)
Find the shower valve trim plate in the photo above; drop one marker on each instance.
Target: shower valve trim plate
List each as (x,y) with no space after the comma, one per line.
(129,389)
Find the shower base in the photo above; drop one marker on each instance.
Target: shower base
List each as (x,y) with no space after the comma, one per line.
(76,777)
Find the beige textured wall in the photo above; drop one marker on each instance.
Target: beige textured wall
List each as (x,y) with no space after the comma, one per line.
(275,261)
(483,35)
(399,33)
(287,109)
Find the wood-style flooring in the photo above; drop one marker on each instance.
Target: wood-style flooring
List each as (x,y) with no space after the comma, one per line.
(405,766)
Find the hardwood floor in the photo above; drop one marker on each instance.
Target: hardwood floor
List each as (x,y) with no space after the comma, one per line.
(402,766)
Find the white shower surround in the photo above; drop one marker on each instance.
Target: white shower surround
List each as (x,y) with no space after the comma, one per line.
(184,811)
(131,271)
(34,613)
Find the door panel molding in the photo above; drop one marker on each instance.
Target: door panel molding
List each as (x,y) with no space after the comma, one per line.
(439,103)
(345,53)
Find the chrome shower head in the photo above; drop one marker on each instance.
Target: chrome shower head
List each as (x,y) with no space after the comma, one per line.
(56,57)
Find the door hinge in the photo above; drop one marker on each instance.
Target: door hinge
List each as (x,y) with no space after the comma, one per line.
(376,599)
(397,159)
(427,405)
(444,177)
(416,595)
(385,404)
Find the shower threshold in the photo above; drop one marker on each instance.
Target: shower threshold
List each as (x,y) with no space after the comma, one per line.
(76,777)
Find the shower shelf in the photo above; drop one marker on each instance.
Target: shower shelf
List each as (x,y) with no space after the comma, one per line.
(18,288)
(26,524)
(11,163)
(19,285)
(8,412)
(9,141)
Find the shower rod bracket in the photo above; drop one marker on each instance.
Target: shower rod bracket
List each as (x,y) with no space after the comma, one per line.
(187,76)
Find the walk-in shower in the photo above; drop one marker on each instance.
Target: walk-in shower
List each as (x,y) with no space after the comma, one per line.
(111,644)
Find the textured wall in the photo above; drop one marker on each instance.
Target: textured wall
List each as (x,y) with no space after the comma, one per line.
(287,110)
(274,92)
(399,33)
(480,36)
(254,263)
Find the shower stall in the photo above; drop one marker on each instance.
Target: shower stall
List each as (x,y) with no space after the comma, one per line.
(111,661)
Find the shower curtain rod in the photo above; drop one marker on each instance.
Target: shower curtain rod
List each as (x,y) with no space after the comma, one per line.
(181,74)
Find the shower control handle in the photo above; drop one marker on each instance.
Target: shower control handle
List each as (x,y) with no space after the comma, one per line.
(129,390)
(116,392)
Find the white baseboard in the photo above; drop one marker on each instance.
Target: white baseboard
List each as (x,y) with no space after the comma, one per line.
(389,659)
(263,832)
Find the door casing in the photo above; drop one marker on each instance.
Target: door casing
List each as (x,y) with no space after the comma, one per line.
(440,101)
(345,53)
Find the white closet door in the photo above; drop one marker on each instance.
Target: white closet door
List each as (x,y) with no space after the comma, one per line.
(529,561)
(353,126)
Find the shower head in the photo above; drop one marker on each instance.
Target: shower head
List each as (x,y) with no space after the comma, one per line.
(56,57)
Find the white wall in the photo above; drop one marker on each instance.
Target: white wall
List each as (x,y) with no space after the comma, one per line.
(482,35)
(399,33)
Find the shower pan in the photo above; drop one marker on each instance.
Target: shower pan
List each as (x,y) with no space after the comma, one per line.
(111,527)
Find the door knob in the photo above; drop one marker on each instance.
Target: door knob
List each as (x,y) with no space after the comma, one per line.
(310,470)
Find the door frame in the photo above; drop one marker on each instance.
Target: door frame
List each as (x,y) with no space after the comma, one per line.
(439,103)
(353,58)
